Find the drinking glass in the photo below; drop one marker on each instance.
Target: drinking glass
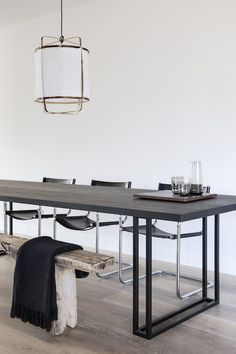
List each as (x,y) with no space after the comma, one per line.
(184,188)
(195,177)
(175,182)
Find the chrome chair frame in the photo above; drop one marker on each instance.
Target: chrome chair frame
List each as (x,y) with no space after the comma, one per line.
(98,224)
(39,213)
(39,210)
(177,274)
(127,266)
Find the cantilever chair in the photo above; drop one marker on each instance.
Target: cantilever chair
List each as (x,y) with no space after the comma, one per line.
(34,213)
(84,223)
(158,233)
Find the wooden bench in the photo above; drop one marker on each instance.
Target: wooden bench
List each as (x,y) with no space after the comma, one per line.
(65,266)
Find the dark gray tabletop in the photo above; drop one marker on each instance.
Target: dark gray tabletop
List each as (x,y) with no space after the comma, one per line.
(110,200)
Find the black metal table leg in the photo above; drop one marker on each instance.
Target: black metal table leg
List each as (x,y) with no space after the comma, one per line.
(217,258)
(10,220)
(148,278)
(204,258)
(153,328)
(135,275)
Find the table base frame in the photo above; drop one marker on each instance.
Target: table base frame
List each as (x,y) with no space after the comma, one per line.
(153,328)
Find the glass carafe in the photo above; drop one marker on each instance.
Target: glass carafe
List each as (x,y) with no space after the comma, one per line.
(195,177)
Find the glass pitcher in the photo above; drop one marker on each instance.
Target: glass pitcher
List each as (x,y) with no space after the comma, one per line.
(195,177)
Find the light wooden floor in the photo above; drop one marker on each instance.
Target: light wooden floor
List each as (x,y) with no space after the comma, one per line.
(105,321)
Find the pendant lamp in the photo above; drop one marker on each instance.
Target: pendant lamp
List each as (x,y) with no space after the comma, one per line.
(61,74)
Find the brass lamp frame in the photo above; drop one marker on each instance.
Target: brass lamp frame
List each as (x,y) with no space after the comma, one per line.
(72,42)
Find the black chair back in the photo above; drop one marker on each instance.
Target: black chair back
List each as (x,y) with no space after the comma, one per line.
(59,180)
(110,184)
(164,187)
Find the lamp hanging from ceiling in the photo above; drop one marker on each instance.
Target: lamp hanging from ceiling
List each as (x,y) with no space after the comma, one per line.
(61,74)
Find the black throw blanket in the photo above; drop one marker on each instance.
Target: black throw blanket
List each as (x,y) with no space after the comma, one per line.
(34,290)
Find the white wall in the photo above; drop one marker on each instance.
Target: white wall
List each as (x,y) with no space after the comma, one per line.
(163,82)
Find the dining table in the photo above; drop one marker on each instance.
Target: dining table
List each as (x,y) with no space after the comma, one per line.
(121,201)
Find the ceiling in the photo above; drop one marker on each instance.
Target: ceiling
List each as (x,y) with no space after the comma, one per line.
(15,11)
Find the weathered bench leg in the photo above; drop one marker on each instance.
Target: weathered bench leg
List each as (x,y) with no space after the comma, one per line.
(66,299)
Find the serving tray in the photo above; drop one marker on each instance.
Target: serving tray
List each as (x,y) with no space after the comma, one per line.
(170,197)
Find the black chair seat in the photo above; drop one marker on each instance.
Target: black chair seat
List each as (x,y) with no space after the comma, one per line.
(160,233)
(82,223)
(28,214)
(23,214)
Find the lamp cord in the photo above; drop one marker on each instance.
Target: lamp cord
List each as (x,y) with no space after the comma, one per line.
(61,39)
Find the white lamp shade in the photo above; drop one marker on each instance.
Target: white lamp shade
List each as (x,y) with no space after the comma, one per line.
(61,74)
